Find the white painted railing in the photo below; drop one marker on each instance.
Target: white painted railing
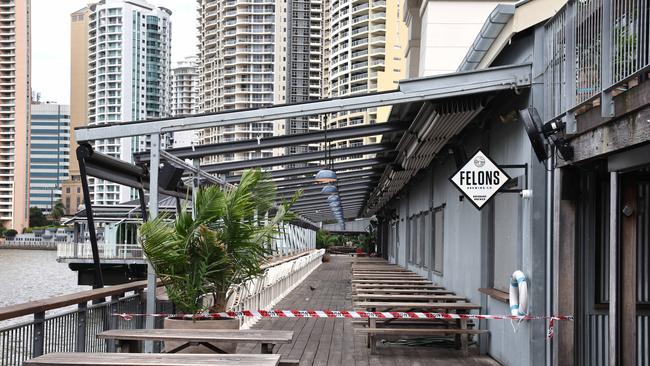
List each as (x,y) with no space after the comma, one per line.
(110,251)
(265,291)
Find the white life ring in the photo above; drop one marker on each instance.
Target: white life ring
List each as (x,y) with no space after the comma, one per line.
(518,293)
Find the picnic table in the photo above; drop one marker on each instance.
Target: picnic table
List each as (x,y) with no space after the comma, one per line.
(158,359)
(393,281)
(204,337)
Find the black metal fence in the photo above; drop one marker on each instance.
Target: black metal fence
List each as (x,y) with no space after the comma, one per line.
(74,330)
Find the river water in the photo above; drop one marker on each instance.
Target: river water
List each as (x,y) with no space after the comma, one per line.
(28,275)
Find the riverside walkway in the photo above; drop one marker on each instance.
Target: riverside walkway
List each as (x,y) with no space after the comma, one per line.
(333,341)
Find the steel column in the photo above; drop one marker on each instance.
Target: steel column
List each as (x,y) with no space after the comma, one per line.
(88,208)
(613,267)
(153,212)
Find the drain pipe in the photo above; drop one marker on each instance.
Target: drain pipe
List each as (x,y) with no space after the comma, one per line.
(550,180)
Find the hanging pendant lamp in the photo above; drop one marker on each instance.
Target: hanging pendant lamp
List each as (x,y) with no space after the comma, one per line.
(326,175)
(329,189)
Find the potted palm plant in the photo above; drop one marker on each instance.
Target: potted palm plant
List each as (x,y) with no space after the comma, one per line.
(199,259)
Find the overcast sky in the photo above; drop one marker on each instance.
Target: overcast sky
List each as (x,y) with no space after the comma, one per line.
(51,41)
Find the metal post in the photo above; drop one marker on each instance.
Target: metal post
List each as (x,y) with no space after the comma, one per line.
(153,212)
(82,152)
(81,327)
(112,323)
(550,180)
(195,186)
(571,67)
(606,80)
(613,266)
(39,334)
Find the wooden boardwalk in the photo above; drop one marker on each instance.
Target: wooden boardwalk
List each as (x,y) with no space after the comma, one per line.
(333,341)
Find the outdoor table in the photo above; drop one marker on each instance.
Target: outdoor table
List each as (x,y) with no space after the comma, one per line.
(398,285)
(204,337)
(158,359)
(411,291)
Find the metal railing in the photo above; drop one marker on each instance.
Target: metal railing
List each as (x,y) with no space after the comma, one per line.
(84,251)
(57,326)
(610,47)
(278,280)
(70,329)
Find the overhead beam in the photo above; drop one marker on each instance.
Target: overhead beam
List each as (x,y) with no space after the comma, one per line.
(322,198)
(415,90)
(375,162)
(324,203)
(342,191)
(200,151)
(298,158)
(366,173)
(318,187)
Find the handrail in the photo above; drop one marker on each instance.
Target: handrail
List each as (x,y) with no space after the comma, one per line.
(56,302)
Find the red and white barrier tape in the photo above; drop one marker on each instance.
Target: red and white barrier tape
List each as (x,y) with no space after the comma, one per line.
(353,315)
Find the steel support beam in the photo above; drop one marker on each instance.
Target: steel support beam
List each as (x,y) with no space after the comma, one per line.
(367,173)
(323,198)
(415,90)
(281,141)
(342,192)
(298,158)
(311,170)
(325,204)
(319,187)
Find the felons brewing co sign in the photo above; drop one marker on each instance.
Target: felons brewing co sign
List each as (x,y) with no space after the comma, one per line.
(479,179)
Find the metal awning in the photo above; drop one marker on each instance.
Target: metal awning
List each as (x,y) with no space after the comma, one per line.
(435,109)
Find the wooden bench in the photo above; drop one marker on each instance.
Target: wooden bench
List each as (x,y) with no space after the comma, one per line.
(418,298)
(394,282)
(456,332)
(158,359)
(204,337)
(403,291)
(400,285)
(461,338)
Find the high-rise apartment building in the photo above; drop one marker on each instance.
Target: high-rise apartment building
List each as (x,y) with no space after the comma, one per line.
(129,46)
(185,94)
(362,54)
(15,100)
(49,153)
(254,54)
(71,188)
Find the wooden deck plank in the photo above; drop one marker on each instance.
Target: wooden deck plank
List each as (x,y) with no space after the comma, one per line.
(160,359)
(332,290)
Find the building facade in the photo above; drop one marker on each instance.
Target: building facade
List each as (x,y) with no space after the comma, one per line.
(256,54)
(49,154)
(129,46)
(362,54)
(78,100)
(185,94)
(15,99)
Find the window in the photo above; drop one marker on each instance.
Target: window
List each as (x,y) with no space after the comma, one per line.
(438,238)
(67,190)
(507,237)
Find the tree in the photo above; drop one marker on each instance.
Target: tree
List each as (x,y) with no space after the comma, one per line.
(57,211)
(36,217)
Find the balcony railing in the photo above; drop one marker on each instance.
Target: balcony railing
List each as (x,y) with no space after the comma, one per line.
(610,48)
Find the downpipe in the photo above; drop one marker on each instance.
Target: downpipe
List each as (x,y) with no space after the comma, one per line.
(550,183)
